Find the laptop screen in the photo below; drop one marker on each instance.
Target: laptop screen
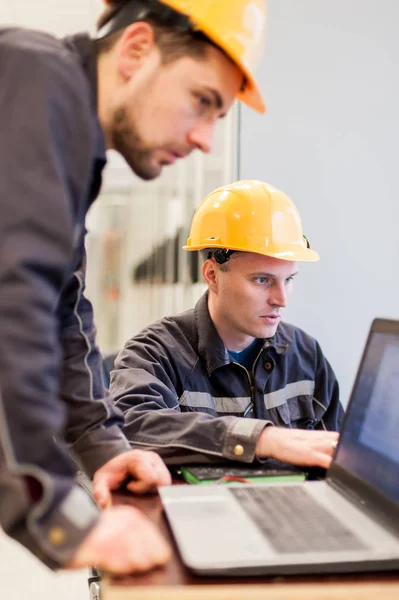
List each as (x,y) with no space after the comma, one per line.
(369,444)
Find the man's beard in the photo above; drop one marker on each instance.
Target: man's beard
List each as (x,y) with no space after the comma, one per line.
(127,142)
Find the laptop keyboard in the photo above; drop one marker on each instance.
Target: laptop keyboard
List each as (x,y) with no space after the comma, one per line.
(293,521)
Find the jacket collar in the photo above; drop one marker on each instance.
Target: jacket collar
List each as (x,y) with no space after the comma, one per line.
(210,346)
(82,46)
(280,342)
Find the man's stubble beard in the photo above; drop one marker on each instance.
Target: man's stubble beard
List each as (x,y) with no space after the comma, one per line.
(126,141)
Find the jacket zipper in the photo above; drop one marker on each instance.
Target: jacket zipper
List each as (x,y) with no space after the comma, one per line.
(251,388)
(251,380)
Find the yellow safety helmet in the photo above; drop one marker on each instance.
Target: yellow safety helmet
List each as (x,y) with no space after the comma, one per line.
(250,216)
(236,26)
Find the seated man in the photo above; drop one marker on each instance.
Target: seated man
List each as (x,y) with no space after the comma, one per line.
(209,381)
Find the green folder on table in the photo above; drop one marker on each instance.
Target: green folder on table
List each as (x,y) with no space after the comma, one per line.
(207,474)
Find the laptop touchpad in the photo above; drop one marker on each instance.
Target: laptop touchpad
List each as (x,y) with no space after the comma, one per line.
(208,520)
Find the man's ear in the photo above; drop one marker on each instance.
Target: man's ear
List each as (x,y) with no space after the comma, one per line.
(133,47)
(210,273)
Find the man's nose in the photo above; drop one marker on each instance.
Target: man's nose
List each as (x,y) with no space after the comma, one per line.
(278,297)
(201,136)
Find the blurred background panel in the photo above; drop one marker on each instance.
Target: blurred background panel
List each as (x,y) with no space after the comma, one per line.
(136,233)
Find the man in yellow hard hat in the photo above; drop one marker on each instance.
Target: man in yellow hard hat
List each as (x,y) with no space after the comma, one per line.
(209,381)
(151,86)
(165,81)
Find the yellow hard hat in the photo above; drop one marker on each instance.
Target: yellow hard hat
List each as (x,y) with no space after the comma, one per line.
(250,216)
(235,26)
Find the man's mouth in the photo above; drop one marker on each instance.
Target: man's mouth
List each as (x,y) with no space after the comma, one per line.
(271,318)
(171,156)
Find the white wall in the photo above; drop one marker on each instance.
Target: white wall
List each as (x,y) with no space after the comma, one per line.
(330,141)
(61,17)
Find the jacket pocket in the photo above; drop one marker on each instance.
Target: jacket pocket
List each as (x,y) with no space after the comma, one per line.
(280,415)
(292,405)
(301,411)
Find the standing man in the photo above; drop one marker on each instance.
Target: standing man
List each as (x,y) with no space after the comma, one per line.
(211,381)
(151,87)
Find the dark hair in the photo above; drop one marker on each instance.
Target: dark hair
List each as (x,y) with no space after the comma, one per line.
(173,41)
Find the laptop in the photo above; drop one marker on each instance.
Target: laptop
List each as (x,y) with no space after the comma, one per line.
(348,522)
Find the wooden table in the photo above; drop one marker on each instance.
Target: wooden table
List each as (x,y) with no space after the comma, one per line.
(174,582)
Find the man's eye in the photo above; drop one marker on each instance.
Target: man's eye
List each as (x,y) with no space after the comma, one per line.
(204,101)
(289,279)
(261,280)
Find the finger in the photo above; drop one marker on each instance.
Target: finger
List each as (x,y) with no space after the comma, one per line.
(132,558)
(150,471)
(152,545)
(109,476)
(322,460)
(158,476)
(322,435)
(147,469)
(112,475)
(141,487)
(143,550)
(143,560)
(328,447)
(163,478)
(161,472)
(140,466)
(101,492)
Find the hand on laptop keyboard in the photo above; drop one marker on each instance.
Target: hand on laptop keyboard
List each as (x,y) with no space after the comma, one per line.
(298,446)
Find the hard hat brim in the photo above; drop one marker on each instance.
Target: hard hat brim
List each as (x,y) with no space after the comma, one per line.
(251,95)
(301,255)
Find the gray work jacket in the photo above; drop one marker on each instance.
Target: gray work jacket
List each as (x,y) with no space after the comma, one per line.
(52,152)
(183,395)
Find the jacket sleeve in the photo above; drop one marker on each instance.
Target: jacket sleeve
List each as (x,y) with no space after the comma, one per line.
(327,405)
(45,149)
(143,385)
(94,424)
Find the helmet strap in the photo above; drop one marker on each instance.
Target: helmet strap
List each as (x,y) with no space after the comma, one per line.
(221,255)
